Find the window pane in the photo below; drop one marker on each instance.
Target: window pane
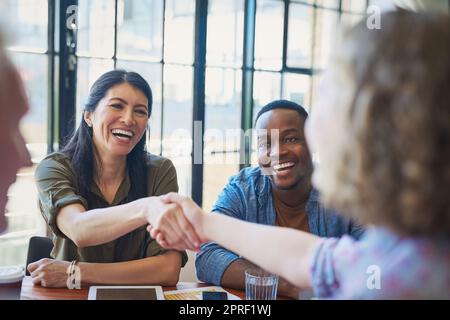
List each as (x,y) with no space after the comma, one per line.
(140,29)
(152,73)
(297,88)
(269,34)
(356,6)
(24,219)
(333,4)
(300,36)
(96,28)
(266,88)
(325,35)
(179,31)
(27,21)
(89,70)
(315,89)
(33,69)
(349,20)
(222,131)
(385,5)
(177,122)
(225,33)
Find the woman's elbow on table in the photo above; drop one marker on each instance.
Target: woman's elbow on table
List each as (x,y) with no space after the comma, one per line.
(171,270)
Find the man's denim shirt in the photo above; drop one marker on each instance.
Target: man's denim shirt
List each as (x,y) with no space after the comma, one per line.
(248,196)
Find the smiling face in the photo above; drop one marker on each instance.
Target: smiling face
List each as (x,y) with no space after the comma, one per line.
(13,152)
(282,150)
(119,121)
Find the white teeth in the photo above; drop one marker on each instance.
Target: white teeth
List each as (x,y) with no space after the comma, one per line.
(124,132)
(283,165)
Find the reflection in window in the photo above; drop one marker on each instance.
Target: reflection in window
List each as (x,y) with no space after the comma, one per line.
(269,34)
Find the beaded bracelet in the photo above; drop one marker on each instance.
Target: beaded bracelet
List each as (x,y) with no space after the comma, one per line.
(71,281)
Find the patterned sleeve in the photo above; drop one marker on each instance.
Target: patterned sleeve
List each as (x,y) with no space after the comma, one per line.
(331,258)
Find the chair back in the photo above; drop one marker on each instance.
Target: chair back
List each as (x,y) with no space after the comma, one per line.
(38,248)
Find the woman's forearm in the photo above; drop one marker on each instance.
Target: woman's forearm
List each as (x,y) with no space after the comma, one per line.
(97,226)
(158,270)
(286,252)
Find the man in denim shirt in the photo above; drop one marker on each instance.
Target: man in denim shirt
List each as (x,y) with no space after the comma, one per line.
(277,192)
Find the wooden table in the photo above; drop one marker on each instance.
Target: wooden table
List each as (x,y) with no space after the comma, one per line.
(31,292)
(10,291)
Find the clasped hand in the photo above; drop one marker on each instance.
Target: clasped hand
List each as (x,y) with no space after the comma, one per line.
(179,223)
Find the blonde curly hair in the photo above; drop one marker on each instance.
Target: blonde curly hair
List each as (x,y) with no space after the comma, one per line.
(395,169)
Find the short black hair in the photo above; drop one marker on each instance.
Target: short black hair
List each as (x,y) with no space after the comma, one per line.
(283,104)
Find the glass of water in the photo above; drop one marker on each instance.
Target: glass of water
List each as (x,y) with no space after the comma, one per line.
(260,285)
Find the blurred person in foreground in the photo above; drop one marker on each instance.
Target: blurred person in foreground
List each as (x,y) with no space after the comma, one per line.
(13,106)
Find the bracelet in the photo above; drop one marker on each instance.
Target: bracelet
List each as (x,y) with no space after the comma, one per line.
(71,281)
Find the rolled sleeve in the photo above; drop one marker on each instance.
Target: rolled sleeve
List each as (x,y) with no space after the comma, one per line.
(56,189)
(331,257)
(212,261)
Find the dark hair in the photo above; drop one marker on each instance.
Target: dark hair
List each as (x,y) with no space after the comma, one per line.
(80,148)
(283,104)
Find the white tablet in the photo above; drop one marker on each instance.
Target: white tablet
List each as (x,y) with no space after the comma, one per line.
(125,293)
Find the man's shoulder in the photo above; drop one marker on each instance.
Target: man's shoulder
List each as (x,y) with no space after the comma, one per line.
(249,179)
(248,174)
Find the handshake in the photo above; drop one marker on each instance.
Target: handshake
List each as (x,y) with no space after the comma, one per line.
(175,222)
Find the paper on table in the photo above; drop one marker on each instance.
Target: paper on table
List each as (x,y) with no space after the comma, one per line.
(195,294)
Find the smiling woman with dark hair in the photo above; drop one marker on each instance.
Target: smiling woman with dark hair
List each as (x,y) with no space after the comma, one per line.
(98,194)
